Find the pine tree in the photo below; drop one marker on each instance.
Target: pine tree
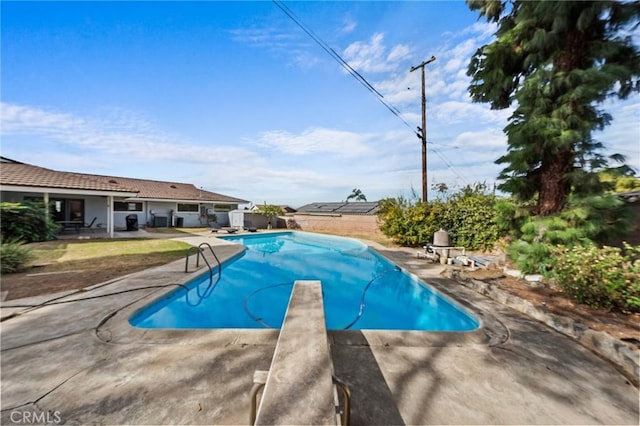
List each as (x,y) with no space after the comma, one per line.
(556,62)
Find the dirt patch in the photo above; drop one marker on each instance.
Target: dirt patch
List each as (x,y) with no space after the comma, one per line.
(55,277)
(617,324)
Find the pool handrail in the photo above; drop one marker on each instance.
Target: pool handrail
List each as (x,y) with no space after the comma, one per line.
(200,252)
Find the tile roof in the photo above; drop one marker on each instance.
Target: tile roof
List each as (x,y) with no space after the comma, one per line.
(161,190)
(367,208)
(21,174)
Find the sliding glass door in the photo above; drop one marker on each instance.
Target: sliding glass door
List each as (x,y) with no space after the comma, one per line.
(67,209)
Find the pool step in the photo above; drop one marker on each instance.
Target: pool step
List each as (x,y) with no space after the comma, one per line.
(299,386)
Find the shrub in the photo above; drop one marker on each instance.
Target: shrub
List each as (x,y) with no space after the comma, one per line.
(13,255)
(468,216)
(607,277)
(26,221)
(408,222)
(531,257)
(586,220)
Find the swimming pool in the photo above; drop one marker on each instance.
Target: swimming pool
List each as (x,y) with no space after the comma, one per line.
(361,289)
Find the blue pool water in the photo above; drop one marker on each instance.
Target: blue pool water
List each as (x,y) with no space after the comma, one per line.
(361,290)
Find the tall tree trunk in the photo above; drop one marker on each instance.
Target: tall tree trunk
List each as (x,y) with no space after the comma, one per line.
(554,183)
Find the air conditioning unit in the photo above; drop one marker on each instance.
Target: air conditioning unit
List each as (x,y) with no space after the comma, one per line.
(160,222)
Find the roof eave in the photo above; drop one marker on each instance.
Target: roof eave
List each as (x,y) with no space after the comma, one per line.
(188,200)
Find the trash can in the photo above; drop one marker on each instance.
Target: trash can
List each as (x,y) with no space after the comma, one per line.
(179,222)
(132,222)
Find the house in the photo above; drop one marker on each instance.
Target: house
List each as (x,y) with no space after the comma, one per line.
(79,197)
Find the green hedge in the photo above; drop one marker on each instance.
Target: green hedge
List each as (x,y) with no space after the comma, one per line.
(469,216)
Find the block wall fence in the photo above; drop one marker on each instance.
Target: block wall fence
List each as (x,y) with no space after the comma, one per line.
(344,224)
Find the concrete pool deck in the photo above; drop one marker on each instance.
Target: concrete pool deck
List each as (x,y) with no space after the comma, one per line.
(80,362)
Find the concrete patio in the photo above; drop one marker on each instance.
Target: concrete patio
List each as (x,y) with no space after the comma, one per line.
(80,362)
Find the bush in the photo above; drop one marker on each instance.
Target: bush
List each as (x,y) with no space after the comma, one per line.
(26,221)
(607,277)
(13,255)
(531,257)
(586,220)
(469,217)
(408,222)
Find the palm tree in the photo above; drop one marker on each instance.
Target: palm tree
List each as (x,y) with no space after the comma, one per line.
(357,195)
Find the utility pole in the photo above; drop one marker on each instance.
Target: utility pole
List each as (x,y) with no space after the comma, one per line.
(423,130)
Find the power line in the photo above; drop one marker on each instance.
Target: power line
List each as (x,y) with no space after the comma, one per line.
(449,164)
(363,81)
(344,64)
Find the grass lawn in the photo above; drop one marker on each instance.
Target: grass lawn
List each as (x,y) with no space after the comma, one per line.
(71,264)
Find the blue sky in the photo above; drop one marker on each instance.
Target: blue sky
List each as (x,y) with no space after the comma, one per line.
(234,97)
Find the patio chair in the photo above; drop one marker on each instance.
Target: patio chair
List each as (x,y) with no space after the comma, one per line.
(89,226)
(248,226)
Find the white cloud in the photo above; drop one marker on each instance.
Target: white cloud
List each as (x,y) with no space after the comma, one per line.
(316,140)
(454,64)
(19,119)
(117,133)
(398,52)
(278,41)
(478,115)
(349,25)
(477,30)
(372,56)
(490,138)
(265,37)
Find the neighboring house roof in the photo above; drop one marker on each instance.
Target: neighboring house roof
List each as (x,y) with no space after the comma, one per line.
(365,208)
(14,173)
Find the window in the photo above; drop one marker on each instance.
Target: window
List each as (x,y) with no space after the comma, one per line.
(224,207)
(184,207)
(124,206)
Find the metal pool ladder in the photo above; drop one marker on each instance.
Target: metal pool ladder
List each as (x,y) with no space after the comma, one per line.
(200,251)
